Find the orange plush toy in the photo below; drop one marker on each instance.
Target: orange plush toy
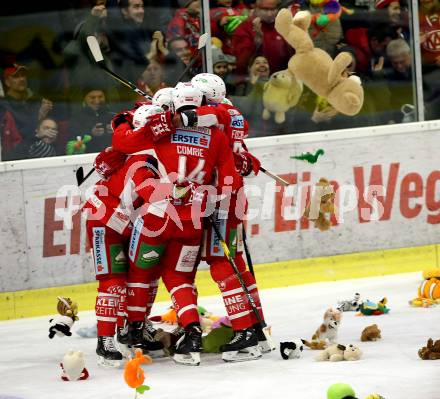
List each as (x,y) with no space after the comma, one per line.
(134,375)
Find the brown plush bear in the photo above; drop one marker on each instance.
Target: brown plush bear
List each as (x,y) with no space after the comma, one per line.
(326,77)
(431,351)
(324,196)
(371,333)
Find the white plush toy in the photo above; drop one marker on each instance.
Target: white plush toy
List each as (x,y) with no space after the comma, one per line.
(350,305)
(73,366)
(291,350)
(337,353)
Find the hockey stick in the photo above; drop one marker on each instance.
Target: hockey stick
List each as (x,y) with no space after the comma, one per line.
(275,177)
(202,43)
(93,44)
(80,178)
(248,254)
(240,279)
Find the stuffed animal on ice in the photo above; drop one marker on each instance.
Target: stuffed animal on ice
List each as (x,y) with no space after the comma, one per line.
(328,330)
(369,308)
(321,204)
(316,69)
(429,290)
(337,353)
(371,333)
(352,305)
(61,325)
(280,93)
(431,351)
(345,391)
(292,349)
(74,366)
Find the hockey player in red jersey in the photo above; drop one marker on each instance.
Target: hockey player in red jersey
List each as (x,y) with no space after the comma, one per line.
(188,159)
(108,229)
(249,337)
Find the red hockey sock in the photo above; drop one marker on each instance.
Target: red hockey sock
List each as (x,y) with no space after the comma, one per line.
(122,309)
(107,305)
(234,298)
(184,297)
(152,292)
(251,285)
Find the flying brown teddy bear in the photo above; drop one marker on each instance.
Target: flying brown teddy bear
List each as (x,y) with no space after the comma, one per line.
(324,196)
(314,67)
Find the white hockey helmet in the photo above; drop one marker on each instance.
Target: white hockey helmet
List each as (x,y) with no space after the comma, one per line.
(185,94)
(164,97)
(142,114)
(212,86)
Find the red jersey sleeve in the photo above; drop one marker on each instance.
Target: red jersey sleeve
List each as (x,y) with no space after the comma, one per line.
(226,172)
(128,140)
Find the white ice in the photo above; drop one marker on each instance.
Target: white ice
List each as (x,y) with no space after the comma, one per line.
(29,361)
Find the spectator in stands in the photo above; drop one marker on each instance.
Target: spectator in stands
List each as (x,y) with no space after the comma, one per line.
(177,60)
(429,17)
(226,16)
(152,79)
(399,77)
(393,15)
(81,67)
(186,23)
(257,36)
(180,47)
(41,144)
(129,38)
(221,67)
(20,109)
(258,75)
(370,45)
(93,118)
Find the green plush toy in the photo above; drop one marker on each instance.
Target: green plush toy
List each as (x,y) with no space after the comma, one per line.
(340,391)
(77,146)
(308,156)
(233,21)
(216,338)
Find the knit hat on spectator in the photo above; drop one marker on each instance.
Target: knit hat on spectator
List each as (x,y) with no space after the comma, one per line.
(11,71)
(218,56)
(379,4)
(184,3)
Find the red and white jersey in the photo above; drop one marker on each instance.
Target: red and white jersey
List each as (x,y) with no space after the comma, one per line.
(227,118)
(430,28)
(114,200)
(198,155)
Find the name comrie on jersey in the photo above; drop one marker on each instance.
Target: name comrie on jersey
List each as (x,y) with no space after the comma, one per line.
(197,138)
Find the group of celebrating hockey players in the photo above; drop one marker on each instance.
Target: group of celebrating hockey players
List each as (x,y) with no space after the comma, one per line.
(172,162)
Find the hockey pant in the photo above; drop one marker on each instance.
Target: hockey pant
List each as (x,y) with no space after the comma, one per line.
(172,255)
(110,262)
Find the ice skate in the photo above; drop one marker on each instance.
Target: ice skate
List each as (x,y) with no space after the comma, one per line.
(108,355)
(189,346)
(242,347)
(135,333)
(149,345)
(265,345)
(122,342)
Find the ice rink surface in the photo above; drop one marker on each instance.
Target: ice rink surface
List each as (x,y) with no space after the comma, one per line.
(29,361)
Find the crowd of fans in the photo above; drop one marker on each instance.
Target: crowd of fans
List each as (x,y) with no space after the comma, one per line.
(152,42)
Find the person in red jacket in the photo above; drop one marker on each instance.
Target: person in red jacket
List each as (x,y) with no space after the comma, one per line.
(108,228)
(248,334)
(257,36)
(168,243)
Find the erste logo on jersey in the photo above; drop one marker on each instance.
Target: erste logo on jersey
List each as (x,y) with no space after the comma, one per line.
(191,138)
(237,121)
